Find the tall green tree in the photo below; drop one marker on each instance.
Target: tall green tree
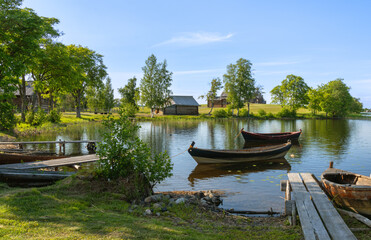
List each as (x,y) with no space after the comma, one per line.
(87,70)
(130,93)
(337,100)
(356,106)
(292,93)
(155,84)
(22,33)
(108,99)
(315,97)
(216,85)
(239,84)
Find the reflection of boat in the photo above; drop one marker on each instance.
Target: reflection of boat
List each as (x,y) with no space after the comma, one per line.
(14,157)
(349,190)
(241,155)
(277,137)
(203,171)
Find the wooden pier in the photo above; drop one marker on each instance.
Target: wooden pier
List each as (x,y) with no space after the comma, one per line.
(62,144)
(30,173)
(318,217)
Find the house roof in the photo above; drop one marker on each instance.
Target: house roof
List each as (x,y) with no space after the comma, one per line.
(183,101)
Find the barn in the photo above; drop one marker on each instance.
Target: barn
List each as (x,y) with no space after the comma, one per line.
(181,105)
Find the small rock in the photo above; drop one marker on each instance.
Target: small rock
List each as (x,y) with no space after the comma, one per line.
(180,200)
(157,206)
(207,198)
(164,209)
(148,199)
(147,212)
(204,202)
(199,195)
(158,214)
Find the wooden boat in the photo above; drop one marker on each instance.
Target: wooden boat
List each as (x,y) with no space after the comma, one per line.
(8,157)
(236,156)
(207,171)
(348,190)
(279,137)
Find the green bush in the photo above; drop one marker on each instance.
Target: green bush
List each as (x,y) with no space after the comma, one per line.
(29,117)
(39,117)
(243,113)
(220,113)
(129,109)
(7,118)
(54,116)
(285,112)
(269,115)
(123,155)
(262,112)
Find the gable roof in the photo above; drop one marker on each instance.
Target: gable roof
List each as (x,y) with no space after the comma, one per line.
(183,101)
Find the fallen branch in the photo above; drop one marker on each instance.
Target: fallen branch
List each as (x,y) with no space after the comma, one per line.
(356,216)
(270,212)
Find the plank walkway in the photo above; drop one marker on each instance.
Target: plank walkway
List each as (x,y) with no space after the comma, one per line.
(49,142)
(51,163)
(319,219)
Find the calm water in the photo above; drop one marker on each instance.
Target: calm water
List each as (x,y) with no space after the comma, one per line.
(248,186)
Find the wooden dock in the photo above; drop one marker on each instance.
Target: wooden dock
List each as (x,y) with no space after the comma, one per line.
(318,217)
(69,161)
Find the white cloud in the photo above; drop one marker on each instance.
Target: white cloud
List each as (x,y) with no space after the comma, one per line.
(197,38)
(364,81)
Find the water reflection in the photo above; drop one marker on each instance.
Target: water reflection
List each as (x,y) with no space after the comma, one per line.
(205,171)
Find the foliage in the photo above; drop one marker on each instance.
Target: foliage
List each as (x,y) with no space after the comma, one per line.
(220,113)
(216,85)
(129,109)
(7,118)
(239,84)
(356,106)
(155,84)
(87,69)
(130,93)
(123,154)
(54,116)
(337,100)
(244,113)
(270,115)
(262,112)
(292,93)
(315,97)
(287,113)
(39,117)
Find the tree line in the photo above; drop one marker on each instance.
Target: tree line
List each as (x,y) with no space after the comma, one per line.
(75,75)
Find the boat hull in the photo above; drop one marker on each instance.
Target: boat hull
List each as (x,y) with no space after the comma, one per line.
(9,158)
(348,190)
(238,156)
(274,137)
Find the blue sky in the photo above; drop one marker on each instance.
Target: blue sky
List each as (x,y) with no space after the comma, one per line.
(317,40)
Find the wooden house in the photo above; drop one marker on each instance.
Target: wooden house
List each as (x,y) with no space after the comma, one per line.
(31,97)
(219,101)
(181,105)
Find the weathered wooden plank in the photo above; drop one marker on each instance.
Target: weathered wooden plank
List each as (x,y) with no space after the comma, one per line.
(311,223)
(334,223)
(52,163)
(49,142)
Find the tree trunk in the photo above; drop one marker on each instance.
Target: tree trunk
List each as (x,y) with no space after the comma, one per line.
(78,103)
(39,100)
(22,93)
(152,114)
(238,112)
(51,101)
(212,106)
(248,109)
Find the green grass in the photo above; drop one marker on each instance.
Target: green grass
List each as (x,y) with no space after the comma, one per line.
(63,211)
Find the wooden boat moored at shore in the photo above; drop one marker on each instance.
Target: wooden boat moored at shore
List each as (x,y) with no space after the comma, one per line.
(241,155)
(277,137)
(348,190)
(9,158)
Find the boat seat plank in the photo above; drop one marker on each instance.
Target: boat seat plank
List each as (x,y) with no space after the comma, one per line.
(334,223)
(310,221)
(52,163)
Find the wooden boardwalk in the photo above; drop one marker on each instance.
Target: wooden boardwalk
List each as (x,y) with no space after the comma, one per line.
(319,219)
(69,161)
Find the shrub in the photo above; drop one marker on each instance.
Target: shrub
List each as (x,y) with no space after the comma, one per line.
(39,117)
(7,118)
(285,112)
(30,115)
(220,113)
(129,109)
(54,116)
(270,115)
(262,112)
(123,155)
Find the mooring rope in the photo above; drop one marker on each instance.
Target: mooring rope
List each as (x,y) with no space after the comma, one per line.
(179,153)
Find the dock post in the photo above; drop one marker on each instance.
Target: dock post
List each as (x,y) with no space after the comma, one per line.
(60,146)
(64,147)
(20,146)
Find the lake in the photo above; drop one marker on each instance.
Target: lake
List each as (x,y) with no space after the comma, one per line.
(253,186)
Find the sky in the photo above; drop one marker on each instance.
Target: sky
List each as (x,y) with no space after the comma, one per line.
(317,40)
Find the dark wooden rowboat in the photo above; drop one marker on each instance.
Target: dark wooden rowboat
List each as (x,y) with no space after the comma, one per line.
(8,158)
(236,156)
(348,190)
(277,137)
